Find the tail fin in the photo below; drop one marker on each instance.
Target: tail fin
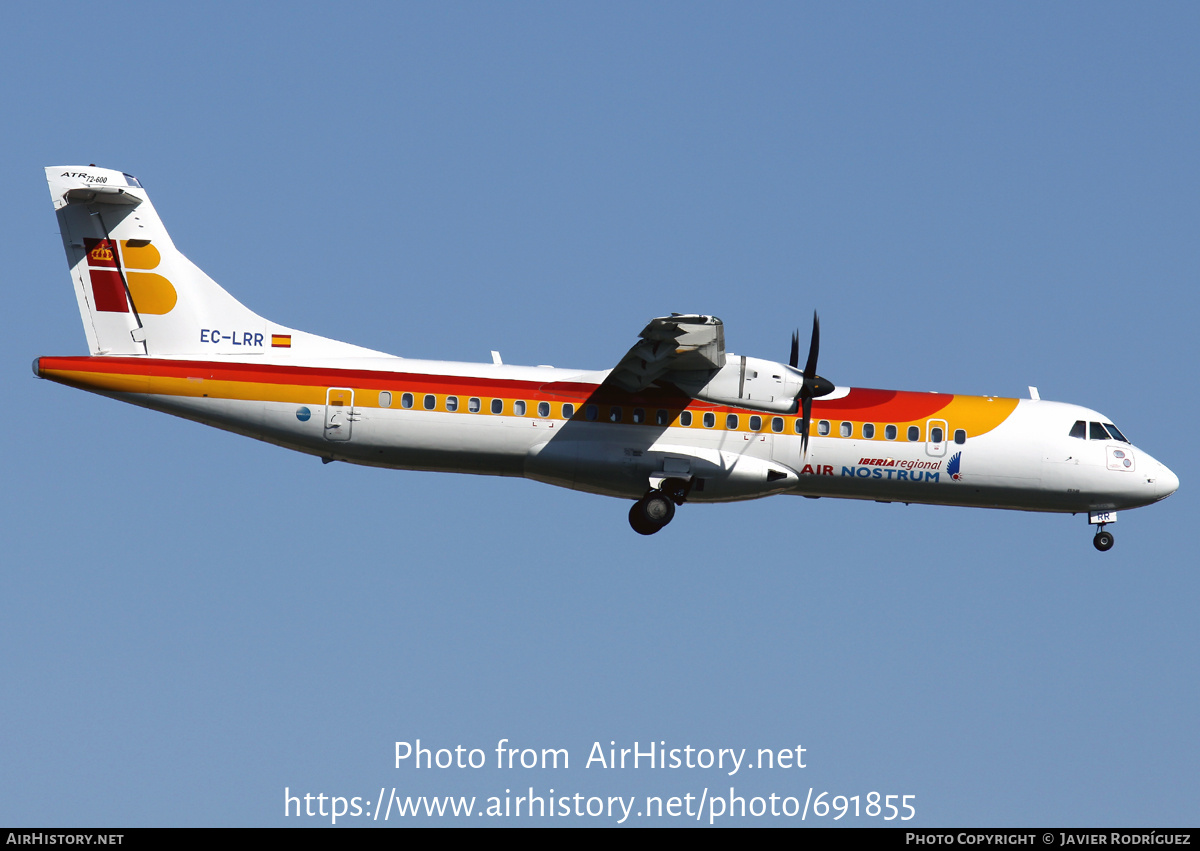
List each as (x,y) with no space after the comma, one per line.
(138,295)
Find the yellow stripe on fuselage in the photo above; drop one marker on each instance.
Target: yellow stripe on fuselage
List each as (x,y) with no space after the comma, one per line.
(976,415)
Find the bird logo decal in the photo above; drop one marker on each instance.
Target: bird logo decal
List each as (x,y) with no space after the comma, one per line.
(952,467)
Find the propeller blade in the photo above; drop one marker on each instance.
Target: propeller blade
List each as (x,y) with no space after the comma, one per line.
(812,384)
(804,425)
(810,368)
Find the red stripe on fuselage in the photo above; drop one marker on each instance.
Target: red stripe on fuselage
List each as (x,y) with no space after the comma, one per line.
(865,405)
(859,404)
(328,377)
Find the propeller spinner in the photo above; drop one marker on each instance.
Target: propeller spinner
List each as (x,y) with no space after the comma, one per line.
(813,385)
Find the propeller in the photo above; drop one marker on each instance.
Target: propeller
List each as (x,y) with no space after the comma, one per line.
(813,385)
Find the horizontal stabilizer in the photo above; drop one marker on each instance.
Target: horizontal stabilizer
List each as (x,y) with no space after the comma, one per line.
(102,195)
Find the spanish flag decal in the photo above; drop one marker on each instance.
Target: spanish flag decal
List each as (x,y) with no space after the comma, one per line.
(281,341)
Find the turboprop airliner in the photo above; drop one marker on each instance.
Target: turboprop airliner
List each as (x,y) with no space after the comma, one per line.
(677,420)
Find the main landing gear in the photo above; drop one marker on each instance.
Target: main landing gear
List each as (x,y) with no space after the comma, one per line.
(1103,540)
(657,507)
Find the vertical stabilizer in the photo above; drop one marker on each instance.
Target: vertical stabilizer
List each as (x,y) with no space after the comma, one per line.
(138,295)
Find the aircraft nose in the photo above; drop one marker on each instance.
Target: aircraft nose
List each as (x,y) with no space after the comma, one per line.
(1166,482)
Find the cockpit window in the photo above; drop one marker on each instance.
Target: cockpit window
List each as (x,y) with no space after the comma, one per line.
(1097,432)
(1112,429)
(1079,430)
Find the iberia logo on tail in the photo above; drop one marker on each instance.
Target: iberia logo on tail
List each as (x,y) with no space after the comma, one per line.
(113,292)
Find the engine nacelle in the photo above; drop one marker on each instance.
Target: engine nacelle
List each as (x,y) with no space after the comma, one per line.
(745,382)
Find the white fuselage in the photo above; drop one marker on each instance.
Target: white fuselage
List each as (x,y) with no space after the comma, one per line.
(1026,460)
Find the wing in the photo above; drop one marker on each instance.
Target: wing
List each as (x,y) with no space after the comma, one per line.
(679,342)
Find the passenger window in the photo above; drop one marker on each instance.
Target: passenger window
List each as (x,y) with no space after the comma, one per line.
(1098,432)
(710,419)
(385,399)
(1079,430)
(519,407)
(662,417)
(639,415)
(1112,429)
(451,403)
(406,401)
(614,414)
(592,412)
(568,411)
(685,418)
(846,430)
(890,432)
(497,406)
(731,422)
(868,430)
(798,425)
(473,405)
(756,423)
(430,401)
(960,436)
(823,427)
(543,409)
(777,424)
(936,435)
(914,433)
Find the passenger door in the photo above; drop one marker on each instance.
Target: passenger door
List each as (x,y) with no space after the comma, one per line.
(339,413)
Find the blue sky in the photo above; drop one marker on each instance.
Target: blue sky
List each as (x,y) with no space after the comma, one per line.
(976,199)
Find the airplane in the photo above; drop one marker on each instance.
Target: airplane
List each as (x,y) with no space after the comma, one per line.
(677,420)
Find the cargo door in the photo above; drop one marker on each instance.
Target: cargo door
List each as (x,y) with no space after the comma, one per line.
(936,438)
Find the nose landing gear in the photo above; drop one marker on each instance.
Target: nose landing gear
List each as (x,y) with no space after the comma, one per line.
(657,507)
(1103,540)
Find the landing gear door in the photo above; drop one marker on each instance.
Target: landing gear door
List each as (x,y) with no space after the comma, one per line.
(339,413)
(935,443)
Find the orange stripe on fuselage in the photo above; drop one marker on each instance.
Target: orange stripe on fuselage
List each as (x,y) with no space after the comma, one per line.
(975,414)
(308,385)
(873,406)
